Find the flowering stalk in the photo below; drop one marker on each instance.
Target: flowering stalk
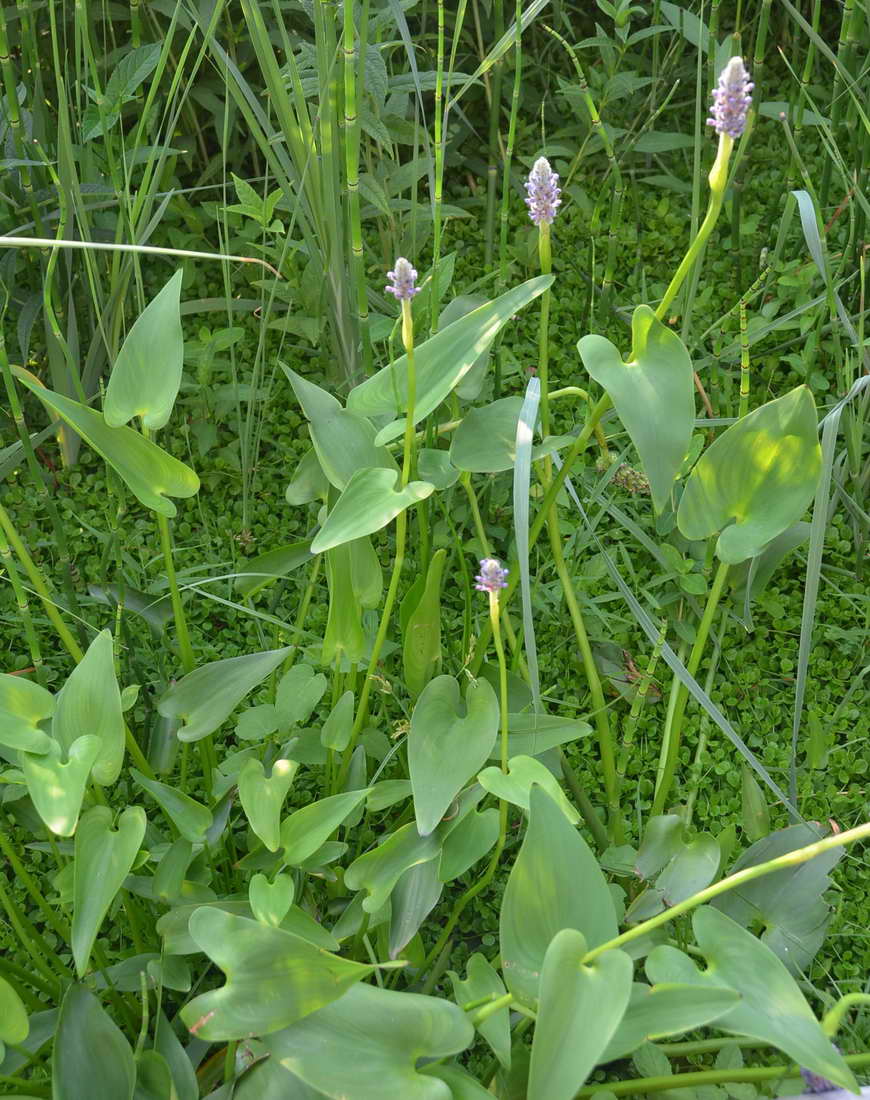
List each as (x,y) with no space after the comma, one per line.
(731,99)
(542,199)
(403,286)
(491,579)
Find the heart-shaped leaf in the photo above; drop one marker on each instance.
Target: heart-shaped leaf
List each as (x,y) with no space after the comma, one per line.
(441,361)
(206,697)
(555,883)
(481,981)
(103,858)
(772,1008)
(90,702)
(89,1048)
(515,786)
(486,440)
(652,393)
(23,705)
(147,373)
(382,1035)
(370,500)
(57,788)
(150,473)
(579,1011)
(379,870)
(344,440)
(447,743)
(274,978)
(756,479)
(271,901)
(262,798)
(306,830)
(191,818)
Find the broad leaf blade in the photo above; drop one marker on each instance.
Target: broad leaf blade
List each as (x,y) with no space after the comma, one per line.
(652,393)
(147,373)
(89,1048)
(370,500)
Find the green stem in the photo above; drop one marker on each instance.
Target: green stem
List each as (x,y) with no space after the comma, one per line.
(599,704)
(185,649)
(834,1018)
(748,874)
(41,588)
(546,261)
(673,728)
(642,1085)
(718,178)
(31,886)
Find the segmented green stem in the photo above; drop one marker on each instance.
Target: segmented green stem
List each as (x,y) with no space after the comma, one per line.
(744,362)
(351,167)
(437,198)
(845,44)
(509,150)
(493,150)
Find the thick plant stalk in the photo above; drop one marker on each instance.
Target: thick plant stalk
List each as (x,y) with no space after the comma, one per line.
(673,727)
(351,166)
(845,46)
(20,593)
(493,151)
(509,151)
(401,537)
(437,198)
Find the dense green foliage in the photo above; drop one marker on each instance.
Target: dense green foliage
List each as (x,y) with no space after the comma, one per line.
(294,805)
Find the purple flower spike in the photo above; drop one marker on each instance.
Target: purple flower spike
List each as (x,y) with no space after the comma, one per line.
(815,1083)
(491,576)
(402,281)
(543,192)
(731,99)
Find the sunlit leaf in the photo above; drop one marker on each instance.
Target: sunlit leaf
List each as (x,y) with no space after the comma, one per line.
(14,1025)
(262,798)
(555,883)
(381,1035)
(57,787)
(516,784)
(304,831)
(271,901)
(441,361)
(756,480)
(90,702)
(23,705)
(486,440)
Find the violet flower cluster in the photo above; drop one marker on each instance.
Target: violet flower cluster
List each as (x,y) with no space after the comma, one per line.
(491,577)
(402,281)
(542,192)
(731,99)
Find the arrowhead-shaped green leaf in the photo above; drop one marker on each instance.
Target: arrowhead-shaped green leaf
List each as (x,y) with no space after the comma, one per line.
(262,798)
(57,788)
(579,1011)
(206,697)
(344,440)
(90,702)
(103,858)
(271,901)
(756,479)
(652,393)
(486,440)
(147,373)
(381,1035)
(273,977)
(516,785)
(23,704)
(304,831)
(447,743)
(150,473)
(555,883)
(371,499)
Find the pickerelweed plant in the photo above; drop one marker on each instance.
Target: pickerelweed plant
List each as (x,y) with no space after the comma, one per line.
(282,916)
